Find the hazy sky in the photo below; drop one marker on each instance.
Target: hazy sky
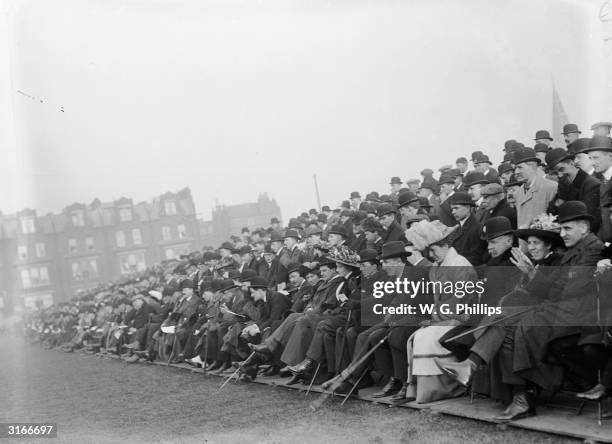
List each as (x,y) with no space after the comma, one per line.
(233,98)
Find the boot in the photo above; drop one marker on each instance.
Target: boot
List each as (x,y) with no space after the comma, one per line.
(597,393)
(391,388)
(303,367)
(522,406)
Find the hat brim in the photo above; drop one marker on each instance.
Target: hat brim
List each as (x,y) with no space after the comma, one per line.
(548,138)
(595,148)
(571,132)
(489,237)
(569,156)
(524,233)
(339,233)
(478,182)
(576,217)
(399,254)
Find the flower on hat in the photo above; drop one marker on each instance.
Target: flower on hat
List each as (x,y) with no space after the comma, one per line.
(547,222)
(344,255)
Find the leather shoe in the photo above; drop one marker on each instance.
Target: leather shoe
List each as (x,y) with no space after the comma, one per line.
(327,384)
(303,367)
(597,393)
(392,387)
(459,371)
(345,388)
(520,407)
(273,370)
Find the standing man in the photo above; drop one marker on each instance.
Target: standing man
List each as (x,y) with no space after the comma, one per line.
(467,242)
(396,184)
(447,189)
(543,136)
(483,164)
(537,192)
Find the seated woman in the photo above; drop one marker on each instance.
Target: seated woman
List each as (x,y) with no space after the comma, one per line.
(426,382)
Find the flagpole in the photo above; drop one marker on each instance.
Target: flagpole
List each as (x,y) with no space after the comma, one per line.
(314,176)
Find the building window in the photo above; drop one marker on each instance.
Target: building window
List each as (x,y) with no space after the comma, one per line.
(22,252)
(35,277)
(27,225)
(169,253)
(93,268)
(125,214)
(166,233)
(132,262)
(77,219)
(136,236)
(76,271)
(89,243)
(40,249)
(170,207)
(182,232)
(72,245)
(120,238)
(25,279)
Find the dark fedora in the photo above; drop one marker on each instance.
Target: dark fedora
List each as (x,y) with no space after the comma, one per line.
(355,195)
(556,155)
(394,249)
(571,128)
(406,198)
(338,229)
(476,154)
(368,255)
(384,209)
(525,155)
(508,157)
(542,134)
(482,158)
(474,178)
(325,208)
(461,198)
(247,275)
(294,266)
(573,210)
(227,284)
(424,202)
(495,227)
(541,148)
(395,180)
(427,172)
(446,178)
(578,145)
(598,143)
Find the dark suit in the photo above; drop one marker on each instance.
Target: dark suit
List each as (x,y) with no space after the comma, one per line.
(272,310)
(584,188)
(359,243)
(445,215)
(468,242)
(502,209)
(393,233)
(605,231)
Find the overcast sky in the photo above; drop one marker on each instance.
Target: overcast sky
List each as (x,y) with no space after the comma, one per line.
(134,98)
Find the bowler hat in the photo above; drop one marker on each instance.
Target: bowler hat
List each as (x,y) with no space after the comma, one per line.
(355,195)
(495,227)
(188,283)
(294,223)
(491,189)
(406,198)
(367,207)
(384,209)
(294,266)
(325,208)
(525,155)
(482,158)
(276,237)
(427,172)
(513,181)
(394,249)
(476,154)
(571,128)
(274,220)
(543,134)
(556,155)
(578,145)
(312,211)
(573,210)
(509,145)
(504,167)
(598,124)
(444,168)
(395,180)
(292,233)
(338,229)
(227,284)
(461,160)
(226,246)
(368,255)
(245,249)
(430,183)
(358,217)
(454,173)
(446,178)
(247,275)
(310,231)
(598,143)
(541,148)
(475,177)
(373,196)
(322,217)
(461,198)
(258,282)
(508,157)
(424,202)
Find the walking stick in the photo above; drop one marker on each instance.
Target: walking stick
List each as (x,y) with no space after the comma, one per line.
(343,343)
(236,372)
(313,379)
(205,352)
(346,373)
(348,395)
